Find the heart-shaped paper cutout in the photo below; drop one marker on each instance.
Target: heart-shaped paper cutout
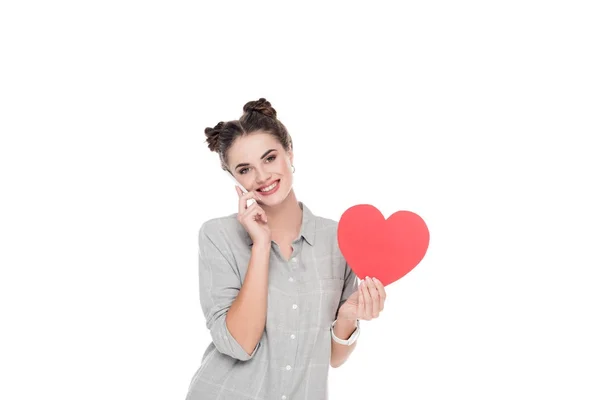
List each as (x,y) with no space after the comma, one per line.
(380,248)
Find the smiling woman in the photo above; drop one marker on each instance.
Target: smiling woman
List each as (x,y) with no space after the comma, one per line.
(270,288)
(257,151)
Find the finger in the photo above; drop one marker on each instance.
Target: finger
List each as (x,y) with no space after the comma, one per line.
(368,302)
(242,205)
(245,197)
(361,303)
(251,210)
(262,215)
(248,212)
(381,290)
(374,297)
(255,212)
(239,191)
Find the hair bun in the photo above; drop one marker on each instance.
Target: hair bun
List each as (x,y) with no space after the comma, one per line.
(212,136)
(262,106)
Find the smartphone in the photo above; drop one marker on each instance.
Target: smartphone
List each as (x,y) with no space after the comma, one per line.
(249,202)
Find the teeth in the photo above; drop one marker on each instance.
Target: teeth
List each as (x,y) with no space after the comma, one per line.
(268,188)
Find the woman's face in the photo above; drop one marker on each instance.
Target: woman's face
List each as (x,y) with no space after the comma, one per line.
(258,160)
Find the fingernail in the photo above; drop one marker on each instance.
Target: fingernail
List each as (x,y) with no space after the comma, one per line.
(367,277)
(376,280)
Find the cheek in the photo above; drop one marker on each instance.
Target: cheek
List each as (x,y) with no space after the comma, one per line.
(282,167)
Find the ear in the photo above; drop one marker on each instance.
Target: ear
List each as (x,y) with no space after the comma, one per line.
(291,156)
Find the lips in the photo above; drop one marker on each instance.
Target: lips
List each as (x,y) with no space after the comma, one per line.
(267,185)
(272,190)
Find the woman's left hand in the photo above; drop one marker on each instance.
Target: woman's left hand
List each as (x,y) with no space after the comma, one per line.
(366,303)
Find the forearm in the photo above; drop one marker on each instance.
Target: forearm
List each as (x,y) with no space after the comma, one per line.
(339,353)
(247,315)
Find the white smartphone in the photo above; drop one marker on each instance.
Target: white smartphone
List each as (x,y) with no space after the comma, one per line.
(249,202)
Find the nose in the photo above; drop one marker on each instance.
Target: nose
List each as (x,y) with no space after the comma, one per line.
(262,177)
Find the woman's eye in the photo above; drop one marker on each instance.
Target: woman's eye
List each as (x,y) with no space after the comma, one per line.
(244,169)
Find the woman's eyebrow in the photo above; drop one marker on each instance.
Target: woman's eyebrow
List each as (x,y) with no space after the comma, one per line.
(261,157)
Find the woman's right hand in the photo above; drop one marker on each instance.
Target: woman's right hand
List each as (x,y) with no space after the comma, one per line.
(253,218)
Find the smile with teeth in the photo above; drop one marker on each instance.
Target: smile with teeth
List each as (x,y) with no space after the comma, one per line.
(269,188)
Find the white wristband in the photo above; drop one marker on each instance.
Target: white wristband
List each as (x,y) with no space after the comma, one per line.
(351,339)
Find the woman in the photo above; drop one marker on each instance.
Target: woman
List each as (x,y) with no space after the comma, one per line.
(280,301)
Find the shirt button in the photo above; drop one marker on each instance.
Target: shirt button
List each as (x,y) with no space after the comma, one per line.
(293,336)
(283,397)
(291,279)
(295,306)
(294,259)
(288,367)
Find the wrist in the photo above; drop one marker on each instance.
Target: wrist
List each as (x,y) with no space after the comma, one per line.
(344,328)
(261,245)
(342,316)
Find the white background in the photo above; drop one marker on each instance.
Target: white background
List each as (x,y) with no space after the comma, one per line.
(481,117)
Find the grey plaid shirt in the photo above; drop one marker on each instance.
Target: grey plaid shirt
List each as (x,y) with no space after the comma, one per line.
(291,360)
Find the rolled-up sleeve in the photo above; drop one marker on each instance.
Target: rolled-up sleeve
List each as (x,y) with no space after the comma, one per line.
(350,286)
(220,284)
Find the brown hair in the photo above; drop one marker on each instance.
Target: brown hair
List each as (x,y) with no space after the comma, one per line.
(258,116)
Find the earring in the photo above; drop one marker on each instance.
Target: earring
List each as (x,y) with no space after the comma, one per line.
(293,169)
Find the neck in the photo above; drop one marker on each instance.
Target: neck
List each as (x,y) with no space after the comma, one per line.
(285,219)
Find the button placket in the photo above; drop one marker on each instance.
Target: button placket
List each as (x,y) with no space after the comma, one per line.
(294,343)
(293,264)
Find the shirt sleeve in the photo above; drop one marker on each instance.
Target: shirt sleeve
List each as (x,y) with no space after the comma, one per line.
(219,286)
(350,286)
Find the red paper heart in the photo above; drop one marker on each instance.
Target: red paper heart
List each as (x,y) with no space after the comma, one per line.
(380,248)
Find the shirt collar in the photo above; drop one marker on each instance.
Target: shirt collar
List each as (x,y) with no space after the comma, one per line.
(307,231)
